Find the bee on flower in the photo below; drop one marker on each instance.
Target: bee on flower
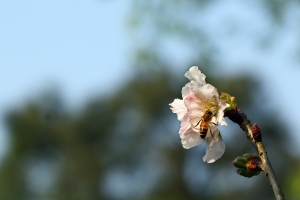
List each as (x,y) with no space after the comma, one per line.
(200,112)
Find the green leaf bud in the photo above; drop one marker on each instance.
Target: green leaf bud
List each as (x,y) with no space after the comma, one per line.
(230,100)
(248,165)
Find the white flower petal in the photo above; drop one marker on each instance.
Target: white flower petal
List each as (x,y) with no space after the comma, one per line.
(178,107)
(221,118)
(205,91)
(194,74)
(186,90)
(215,148)
(191,139)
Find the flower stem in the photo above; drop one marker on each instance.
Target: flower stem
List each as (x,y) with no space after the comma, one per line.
(254,134)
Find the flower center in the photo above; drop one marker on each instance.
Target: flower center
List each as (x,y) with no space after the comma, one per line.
(211,104)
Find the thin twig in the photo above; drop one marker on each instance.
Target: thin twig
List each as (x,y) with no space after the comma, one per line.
(254,134)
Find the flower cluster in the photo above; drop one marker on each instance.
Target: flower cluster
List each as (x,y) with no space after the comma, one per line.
(200,112)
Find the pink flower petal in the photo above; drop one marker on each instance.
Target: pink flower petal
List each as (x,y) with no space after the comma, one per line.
(194,105)
(184,126)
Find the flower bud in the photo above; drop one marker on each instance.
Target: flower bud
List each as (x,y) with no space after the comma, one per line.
(248,165)
(256,133)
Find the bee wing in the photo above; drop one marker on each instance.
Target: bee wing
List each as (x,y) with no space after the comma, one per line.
(214,136)
(214,120)
(213,132)
(195,122)
(213,127)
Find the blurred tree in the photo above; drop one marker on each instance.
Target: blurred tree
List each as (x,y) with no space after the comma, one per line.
(126,146)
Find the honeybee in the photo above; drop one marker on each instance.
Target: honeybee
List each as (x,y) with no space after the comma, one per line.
(202,124)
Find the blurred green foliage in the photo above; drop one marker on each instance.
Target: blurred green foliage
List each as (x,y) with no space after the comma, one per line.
(126,145)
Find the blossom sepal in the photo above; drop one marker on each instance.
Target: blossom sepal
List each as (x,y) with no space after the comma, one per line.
(229,100)
(232,111)
(248,165)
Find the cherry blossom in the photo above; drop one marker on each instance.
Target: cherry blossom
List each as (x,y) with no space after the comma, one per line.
(199,98)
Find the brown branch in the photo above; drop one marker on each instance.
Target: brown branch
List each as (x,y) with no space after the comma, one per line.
(254,134)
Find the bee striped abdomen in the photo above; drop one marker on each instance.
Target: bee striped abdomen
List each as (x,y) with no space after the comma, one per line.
(203,129)
(204,125)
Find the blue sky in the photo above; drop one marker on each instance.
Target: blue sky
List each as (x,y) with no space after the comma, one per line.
(64,42)
(61,44)
(67,44)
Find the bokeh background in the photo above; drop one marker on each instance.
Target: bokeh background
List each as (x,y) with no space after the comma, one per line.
(85,88)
